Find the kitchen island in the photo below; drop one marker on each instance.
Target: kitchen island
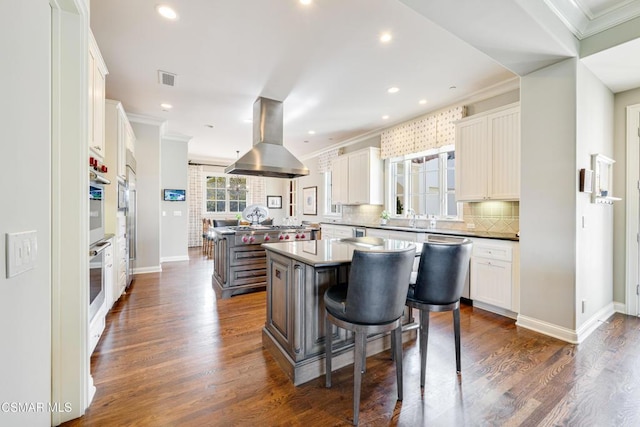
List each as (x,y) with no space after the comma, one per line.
(298,274)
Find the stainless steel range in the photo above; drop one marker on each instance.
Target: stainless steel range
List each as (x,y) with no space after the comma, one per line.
(239,262)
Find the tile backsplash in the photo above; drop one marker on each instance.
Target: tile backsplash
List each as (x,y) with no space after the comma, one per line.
(494,216)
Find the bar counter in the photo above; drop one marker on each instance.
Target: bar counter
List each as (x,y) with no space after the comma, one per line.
(298,274)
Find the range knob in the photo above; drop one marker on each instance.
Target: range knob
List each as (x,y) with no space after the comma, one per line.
(245,239)
(281,237)
(302,236)
(287,237)
(267,237)
(252,239)
(297,236)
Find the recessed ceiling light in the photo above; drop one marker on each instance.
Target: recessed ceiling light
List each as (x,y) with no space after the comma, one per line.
(305,2)
(167,12)
(393,89)
(166,106)
(385,117)
(312,132)
(385,37)
(422,101)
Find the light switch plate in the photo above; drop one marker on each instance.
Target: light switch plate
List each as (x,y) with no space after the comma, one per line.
(21,251)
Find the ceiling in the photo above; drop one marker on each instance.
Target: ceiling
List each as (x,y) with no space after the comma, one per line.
(325,61)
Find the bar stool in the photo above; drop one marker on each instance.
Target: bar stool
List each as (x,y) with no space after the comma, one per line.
(438,286)
(371,302)
(206,223)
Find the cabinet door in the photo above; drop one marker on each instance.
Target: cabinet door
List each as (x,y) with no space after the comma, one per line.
(472,155)
(340,180)
(376,232)
(403,235)
(359,178)
(504,173)
(491,282)
(96,83)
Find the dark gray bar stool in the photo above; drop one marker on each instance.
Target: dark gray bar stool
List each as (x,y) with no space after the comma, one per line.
(224,222)
(438,287)
(371,302)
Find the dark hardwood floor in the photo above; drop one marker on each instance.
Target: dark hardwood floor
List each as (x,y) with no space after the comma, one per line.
(173,355)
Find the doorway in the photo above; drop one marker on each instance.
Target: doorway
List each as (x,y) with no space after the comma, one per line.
(632,299)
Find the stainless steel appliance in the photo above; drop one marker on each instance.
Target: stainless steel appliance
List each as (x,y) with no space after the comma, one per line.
(96,205)
(239,260)
(96,276)
(131,215)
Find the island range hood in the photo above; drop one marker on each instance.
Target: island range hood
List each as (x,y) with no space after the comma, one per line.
(268,157)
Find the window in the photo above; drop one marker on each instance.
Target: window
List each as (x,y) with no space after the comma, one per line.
(226,194)
(329,208)
(293,189)
(424,183)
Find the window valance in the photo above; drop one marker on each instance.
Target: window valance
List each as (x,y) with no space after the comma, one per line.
(421,134)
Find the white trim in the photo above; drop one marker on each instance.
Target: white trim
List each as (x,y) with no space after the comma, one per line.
(565,334)
(145,120)
(547,328)
(620,307)
(177,138)
(144,270)
(493,309)
(632,208)
(174,258)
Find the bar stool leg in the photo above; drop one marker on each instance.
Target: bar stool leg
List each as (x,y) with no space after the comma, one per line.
(424,339)
(456,332)
(361,342)
(397,350)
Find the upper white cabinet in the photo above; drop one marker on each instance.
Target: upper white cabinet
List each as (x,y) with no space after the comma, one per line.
(119,135)
(357,178)
(97,75)
(488,156)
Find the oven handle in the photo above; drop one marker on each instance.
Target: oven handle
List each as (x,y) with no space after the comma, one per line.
(99,248)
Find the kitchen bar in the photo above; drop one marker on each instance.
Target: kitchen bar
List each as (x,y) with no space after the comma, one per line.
(298,274)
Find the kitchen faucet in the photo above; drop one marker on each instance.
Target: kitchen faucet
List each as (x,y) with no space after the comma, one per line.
(412,222)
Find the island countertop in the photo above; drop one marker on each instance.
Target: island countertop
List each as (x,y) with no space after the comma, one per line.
(328,252)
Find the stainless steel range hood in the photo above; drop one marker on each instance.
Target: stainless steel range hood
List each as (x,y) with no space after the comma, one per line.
(268,157)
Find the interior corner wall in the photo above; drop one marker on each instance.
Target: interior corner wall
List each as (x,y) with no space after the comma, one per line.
(548,194)
(25,179)
(594,222)
(175,215)
(148,191)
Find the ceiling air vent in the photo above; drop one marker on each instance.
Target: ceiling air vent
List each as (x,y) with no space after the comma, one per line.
(166,78)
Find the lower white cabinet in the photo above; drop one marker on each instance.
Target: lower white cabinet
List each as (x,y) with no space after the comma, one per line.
(495,274)
(97,324)
(333,231)
(121,259)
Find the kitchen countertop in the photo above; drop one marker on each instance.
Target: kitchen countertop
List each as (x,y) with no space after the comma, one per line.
(324,253)
(468,233)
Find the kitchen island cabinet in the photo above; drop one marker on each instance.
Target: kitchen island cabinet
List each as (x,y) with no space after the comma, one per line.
(298,274)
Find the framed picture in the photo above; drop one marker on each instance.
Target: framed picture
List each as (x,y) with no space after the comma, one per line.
(310,201)
(274,202)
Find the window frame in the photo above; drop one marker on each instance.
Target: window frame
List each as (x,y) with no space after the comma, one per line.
(330,210)
(443,190)
(227,200)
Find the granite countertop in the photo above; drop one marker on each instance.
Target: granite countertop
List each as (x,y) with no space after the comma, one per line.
(324,253)
(468,233)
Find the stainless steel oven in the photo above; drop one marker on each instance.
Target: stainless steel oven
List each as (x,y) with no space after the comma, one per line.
(96,276)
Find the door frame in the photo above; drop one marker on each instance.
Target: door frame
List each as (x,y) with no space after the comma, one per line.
(632,209)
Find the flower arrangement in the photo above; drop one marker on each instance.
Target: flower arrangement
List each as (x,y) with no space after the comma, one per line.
(385,215)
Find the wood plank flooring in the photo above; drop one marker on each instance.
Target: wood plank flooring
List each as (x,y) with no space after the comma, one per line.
(173,355)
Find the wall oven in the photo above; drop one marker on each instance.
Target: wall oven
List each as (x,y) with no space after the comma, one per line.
(96,206)
(96,276)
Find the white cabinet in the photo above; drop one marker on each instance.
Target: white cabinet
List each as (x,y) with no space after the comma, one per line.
(340,180)
(357,178)
(121,259)
(409,236)
(119,136)
(488,156)
(96,83)
(494,274)
(333,231)
(97,324)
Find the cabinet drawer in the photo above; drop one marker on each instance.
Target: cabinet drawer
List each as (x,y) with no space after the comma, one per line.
(493,251)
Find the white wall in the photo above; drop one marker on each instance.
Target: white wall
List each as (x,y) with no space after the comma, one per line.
(548,195)
(175,215)
(594,241)
(621,102)
(148,155)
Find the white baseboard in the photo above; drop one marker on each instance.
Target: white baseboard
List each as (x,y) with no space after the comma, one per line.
(566,334)
(143,270)
(620,307)
(174,258)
